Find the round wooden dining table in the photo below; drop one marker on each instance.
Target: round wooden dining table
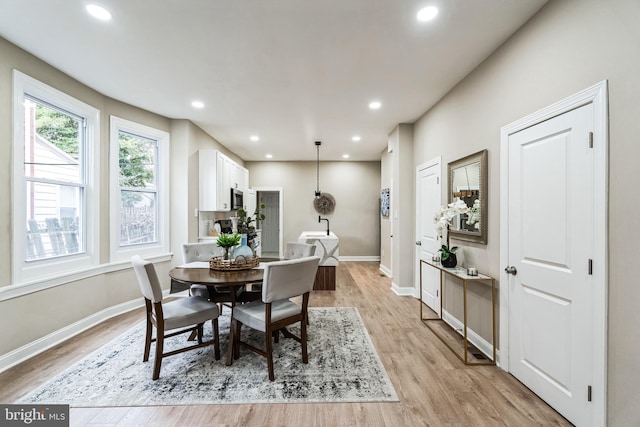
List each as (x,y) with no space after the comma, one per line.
(184,276)
(207,276)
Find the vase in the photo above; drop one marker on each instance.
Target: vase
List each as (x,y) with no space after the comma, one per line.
(243,250)
(450,262)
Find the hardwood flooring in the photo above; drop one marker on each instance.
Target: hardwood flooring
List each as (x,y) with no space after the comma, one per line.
(435,388)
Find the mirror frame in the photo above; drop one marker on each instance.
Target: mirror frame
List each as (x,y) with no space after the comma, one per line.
(471,236)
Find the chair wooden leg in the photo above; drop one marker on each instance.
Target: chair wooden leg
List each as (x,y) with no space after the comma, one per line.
(303,339)
(231,342)
(276,336)
(158,359)
(216,338)
(236,341)
(200,331)
(147,341)
(269,351)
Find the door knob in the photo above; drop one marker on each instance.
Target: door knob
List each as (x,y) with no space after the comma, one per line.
(511,270)
(418,243)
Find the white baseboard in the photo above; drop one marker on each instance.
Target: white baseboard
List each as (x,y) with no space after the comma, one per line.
(483,345)
(386,271)
(19,355)
(359,258)
(403,291)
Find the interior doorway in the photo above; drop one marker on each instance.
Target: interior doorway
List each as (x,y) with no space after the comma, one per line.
(553,289)
(271,227)
(428,196)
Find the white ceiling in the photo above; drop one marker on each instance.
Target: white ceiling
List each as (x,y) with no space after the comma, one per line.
(290,71)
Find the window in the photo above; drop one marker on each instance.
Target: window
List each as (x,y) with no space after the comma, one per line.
(139,190)
(55,170)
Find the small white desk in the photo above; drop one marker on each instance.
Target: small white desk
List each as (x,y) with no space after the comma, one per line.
(462,275)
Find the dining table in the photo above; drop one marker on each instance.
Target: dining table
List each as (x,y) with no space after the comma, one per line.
(183,276)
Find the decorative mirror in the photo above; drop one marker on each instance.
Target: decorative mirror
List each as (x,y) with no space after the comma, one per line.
(468,182)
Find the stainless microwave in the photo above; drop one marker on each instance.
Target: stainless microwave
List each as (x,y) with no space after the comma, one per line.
(237,201)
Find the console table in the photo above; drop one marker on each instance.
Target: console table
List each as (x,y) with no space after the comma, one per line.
(461,274)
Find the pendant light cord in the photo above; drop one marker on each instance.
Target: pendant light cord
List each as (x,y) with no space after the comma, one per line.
(318,169)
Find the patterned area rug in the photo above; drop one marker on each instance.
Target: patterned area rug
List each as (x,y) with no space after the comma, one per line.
(343,367)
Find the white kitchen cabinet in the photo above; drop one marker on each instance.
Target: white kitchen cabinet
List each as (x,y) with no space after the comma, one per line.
(239,176)
(218,175)
(210,173)
(250,201)
(244,179)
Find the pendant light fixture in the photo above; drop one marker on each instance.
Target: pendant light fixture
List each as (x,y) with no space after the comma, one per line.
(323,203)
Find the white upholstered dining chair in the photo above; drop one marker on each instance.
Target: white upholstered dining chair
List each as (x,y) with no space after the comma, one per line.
(184,314)
(294,250)
(202,251)
(282,280)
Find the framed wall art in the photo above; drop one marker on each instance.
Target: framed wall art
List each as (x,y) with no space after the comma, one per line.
(384,202)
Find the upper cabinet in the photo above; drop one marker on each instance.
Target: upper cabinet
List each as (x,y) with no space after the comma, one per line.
(218,175)
(239,177)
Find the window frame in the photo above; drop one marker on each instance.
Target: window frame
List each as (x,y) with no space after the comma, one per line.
(162,246)
(40,270)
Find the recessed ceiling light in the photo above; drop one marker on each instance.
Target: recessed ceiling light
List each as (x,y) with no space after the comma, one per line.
(98,12)
(254,138)
(427,13)
(197,104)
(345,156)
(374,105)
(356,138)
(269,156)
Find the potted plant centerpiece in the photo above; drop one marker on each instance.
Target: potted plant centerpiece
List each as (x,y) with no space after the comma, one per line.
(247,224)
(228,241)
(442,220)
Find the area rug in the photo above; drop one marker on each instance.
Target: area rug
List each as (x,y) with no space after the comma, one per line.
(343,367)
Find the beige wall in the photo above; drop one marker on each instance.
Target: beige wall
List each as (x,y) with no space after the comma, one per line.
(568,46)
(58,307)
(402,209)
(354,185)
(385,223)
(50,310)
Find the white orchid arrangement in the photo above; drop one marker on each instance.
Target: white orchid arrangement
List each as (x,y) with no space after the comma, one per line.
(442,220)
(445,214)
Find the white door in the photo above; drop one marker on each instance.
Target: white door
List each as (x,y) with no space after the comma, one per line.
(550,245)
(270,226)
(428,194)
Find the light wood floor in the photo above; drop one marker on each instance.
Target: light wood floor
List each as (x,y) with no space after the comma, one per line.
(434,387)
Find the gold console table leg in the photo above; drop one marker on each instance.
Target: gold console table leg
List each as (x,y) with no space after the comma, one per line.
(465,339)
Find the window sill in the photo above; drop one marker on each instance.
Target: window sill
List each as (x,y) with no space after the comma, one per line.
(21,289)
